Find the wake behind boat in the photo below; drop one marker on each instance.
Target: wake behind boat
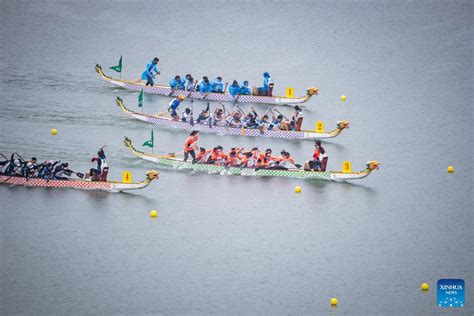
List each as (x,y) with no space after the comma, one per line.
(172,161)
(137,85)
(163,120)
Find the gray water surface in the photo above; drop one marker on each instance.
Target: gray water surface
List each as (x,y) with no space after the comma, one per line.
(228,244)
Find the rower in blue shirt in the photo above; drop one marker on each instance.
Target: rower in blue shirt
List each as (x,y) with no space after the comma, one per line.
(244,88)
(234,88)
(217,85)
(205,86)
(177,83)
(148,73)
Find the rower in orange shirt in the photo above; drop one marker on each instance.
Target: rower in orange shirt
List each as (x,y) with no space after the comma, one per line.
(266,159)
(203,155)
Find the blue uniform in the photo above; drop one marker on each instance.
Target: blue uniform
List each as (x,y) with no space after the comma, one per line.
(177,84)
(266,83)
(204,87)
(244,89)
(217,86)
(234,90)
(173,106)
(148,73)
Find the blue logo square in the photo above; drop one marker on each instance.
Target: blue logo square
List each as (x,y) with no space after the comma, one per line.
(450,293)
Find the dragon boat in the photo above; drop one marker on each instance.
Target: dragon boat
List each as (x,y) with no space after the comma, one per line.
(137,85)
(109,186)
(177,163)
(164,121)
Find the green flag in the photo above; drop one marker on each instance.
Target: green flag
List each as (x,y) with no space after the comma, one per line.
(118,68)
(151,142)
(140,99)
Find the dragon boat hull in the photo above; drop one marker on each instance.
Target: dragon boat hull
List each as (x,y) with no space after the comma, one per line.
(175,163)
(168,123)
(196,95)
(108,186)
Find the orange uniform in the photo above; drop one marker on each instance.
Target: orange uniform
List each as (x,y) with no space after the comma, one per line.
(190,144)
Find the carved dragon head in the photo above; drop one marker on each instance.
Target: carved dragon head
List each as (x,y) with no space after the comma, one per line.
(152,175)
(372,165)
(342,124)
(312,91)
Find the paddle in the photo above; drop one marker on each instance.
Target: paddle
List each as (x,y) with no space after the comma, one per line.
(21,158)
(281,114)
(192,90)
(174,154)
(79,174)
(191,117)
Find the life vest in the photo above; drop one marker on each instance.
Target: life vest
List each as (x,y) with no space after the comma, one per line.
(215,155)
(189,144)
(316,154)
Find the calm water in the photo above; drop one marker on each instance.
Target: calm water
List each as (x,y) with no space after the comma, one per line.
(234,245)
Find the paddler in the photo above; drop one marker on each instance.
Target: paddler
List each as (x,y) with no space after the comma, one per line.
(189,84)
(177,83)
(244,88)
(186,115)
(190,145)
(203,155)
(204,85)
(297,119)
(217,85)
(173,107)
(235,119)
(204,116)
(60,170)
(234,89)
(148,74)
(285,161)
(29,167)
(216,155)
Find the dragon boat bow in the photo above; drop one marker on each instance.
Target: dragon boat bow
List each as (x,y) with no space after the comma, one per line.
(137,85)
(166,122)
(177,163)
(109,186)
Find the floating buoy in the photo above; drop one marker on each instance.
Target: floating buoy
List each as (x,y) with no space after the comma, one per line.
(153,213)
(54,131)
(333,301)
(297,189)
(450,169)
(425,287)
(343,98)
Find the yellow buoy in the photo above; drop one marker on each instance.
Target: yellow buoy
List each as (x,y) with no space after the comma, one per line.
(425,287)
(54,131)
(333,301)
(450,169)
(153,213)
(297,189)
(343,98)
